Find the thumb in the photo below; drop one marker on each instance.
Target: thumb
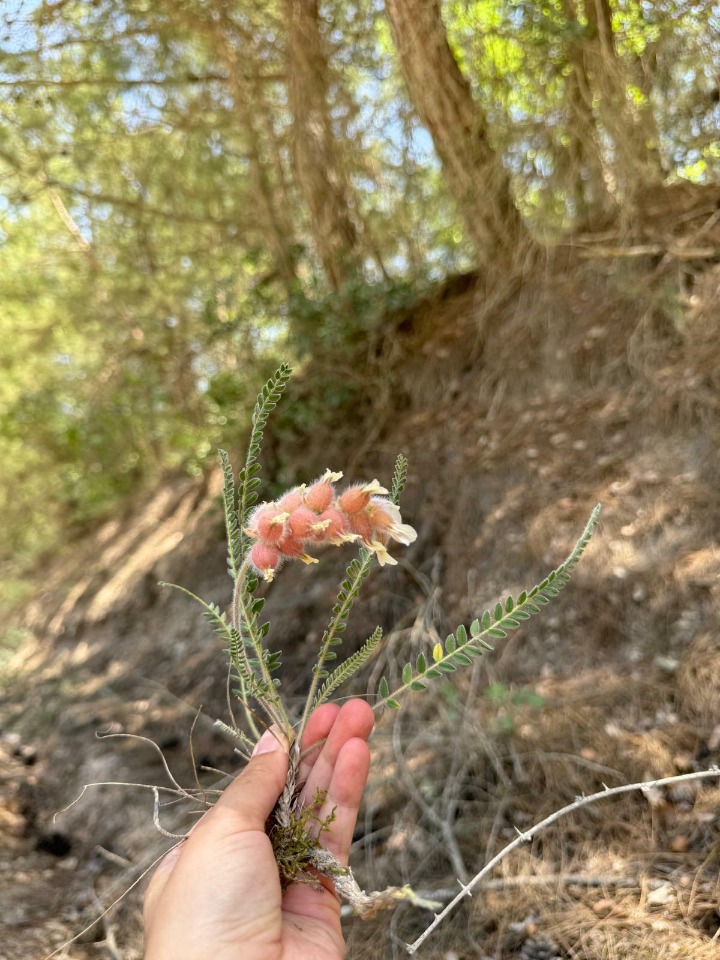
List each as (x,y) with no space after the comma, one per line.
(253,794)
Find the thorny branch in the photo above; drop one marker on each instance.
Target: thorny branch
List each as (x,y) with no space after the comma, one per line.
(527,835)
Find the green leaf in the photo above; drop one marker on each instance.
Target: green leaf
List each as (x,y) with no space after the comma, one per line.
(407,673)
(248,483)
(462,636)
(355,574)
(399,479)
(499,611)
(437,652)
(474,651)
(417,685)
(461,658)
(420,663)
(393,704)
(349,667)
(450,644)
(232,520)
(509,604)
(486,620)
(384,689)
(474,628)
(496,632)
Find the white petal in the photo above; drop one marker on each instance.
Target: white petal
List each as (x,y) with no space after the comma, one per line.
(403,533)
(388,507)
(373,487)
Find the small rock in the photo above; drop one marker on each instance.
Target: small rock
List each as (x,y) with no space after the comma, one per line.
(667,664)
(661,896)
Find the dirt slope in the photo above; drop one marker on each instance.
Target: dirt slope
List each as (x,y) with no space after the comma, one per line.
(518,413)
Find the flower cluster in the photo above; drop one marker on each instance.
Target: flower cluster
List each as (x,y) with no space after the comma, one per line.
(313,515)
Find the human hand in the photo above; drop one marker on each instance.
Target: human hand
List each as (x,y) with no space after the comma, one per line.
(217,895)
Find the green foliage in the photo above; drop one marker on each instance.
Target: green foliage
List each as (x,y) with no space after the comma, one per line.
(250,684)
(341,322)
(249,481)
(463,646)
(508,704)
(294,842)
(159,252)
(399,479)
(294,828)
(254,664)
(349,668)
(232,522)
(355,575)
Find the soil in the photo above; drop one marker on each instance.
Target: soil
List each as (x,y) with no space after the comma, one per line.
(592,382)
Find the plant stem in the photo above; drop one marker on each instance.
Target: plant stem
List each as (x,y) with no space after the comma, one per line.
(526,836)
(339,618)
(240,616)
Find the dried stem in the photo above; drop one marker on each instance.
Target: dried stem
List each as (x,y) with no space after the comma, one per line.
(527,835)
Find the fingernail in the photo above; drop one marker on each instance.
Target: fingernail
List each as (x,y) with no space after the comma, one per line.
(267,743)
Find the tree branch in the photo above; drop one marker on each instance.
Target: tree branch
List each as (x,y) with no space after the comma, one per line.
(528,835)
(139,81)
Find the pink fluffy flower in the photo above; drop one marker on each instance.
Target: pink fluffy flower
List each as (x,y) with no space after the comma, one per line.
(268,522)
(265,559)
(292,499)
(320,495)
(315,515)
(357,497)
(337,529)
(360,525)
(302,522)
(290,546)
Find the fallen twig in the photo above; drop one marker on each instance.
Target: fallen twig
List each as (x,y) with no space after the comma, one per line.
(527,835)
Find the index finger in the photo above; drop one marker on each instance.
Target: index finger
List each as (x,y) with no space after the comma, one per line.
(316,732)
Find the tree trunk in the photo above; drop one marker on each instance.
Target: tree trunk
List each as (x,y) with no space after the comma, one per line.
(234,49)
(319,166)
(590,179)
(606,106)
(443,100)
